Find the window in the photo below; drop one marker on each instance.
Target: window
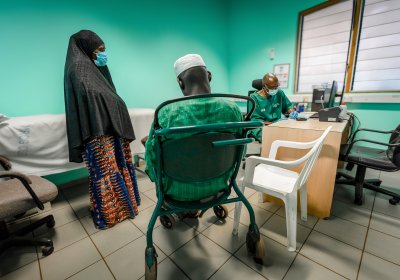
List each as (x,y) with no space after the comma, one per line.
(361,35)
(378,58)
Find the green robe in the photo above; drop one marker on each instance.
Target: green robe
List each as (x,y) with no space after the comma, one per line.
(269,109)
(187,113)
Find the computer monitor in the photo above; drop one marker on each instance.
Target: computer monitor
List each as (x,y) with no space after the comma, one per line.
(332,95)
(325,97)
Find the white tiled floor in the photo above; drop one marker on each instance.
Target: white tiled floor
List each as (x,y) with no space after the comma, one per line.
(355,243)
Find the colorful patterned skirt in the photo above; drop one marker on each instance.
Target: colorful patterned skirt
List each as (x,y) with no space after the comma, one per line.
(113,189)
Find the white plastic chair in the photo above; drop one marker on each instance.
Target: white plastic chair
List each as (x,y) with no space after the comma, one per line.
(271,176)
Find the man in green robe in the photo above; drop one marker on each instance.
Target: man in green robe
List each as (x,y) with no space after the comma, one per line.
(193,79)
(271,103)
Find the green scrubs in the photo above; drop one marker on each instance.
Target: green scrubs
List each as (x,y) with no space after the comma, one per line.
(269,109)
(187,113)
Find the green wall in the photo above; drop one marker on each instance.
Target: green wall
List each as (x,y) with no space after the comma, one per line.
(143,40)
(255,26)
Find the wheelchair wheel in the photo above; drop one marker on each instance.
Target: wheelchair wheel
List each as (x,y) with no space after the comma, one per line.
(166,221)
(150,272)
(221,211)
(47,250)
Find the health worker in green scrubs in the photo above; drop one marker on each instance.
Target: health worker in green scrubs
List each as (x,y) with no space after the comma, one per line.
(271,103)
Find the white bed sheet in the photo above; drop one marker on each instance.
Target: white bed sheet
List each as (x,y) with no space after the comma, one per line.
(38,144)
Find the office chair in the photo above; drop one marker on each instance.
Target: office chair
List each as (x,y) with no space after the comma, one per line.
(19,194)
(275,178)
(206,159)
(387,160)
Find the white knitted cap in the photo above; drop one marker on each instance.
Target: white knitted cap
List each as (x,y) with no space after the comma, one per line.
(188,61)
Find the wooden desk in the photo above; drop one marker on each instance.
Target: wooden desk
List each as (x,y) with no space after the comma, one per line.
(322,178)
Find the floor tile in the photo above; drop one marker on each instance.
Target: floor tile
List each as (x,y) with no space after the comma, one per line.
(142,220)
(303,268)
(275,228)
(385,224)
(261,215)
(88,223)
(112,239)
(65,235)
(343,230)
(14,258)
(98,271)
(383,246)
(145,185)
(221,233)
(128,262)
(70,260)
(78,198)
(29,271)
(373,268)
(234,269)
(200,224)
(310,223)
(171,239)
(145,202)
(391,180)
(383,206)
(352,213)
(152,195)
(345,193)
(59,202)
(333,254)
(269,206)
(200,258)
(276,262)
(61,217)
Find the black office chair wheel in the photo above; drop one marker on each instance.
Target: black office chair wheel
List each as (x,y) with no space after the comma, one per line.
(394,200)
(221,211)
(150,266)
(166,221)
(46,251)
(51,223)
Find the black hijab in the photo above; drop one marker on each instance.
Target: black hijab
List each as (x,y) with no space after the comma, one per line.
(92,106)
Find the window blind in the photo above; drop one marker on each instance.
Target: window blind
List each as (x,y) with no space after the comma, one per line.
(378,60)
(324,45)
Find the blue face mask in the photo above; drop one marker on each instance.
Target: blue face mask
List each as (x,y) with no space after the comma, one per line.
(101,59)
(272,92)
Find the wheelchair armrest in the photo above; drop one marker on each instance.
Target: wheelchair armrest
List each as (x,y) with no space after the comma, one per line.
(25,182)
(234,142)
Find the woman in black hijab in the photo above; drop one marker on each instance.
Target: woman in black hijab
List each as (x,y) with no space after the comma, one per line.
(99,130)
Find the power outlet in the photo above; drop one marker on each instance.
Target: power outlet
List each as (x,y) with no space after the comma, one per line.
(271,53)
